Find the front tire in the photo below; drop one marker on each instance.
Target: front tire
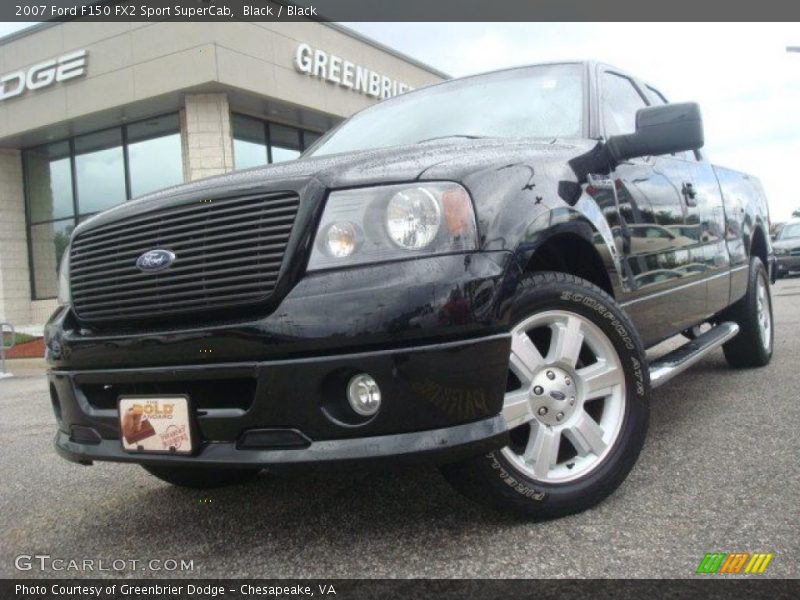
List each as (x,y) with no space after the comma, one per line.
(201,478)
(576,403)
(752,347)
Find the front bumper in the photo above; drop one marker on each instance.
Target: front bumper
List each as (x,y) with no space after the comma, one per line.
(431,332)
(440,402)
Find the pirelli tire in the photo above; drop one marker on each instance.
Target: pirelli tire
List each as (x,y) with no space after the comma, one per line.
(576,403)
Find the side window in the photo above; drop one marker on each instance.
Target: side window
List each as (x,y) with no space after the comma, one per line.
(655,97)
(620,103)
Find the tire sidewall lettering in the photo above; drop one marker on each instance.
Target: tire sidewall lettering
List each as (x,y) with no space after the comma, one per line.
(514,483)
(603,311)
(607,314)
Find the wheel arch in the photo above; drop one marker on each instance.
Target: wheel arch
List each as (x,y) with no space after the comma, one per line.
(574,247)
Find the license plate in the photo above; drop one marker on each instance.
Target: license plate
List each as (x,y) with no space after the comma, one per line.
(155,424)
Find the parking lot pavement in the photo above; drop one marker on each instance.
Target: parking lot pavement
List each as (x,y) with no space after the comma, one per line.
(719,473)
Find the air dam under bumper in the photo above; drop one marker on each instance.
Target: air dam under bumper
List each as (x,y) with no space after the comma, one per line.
(441,445)
(439,402)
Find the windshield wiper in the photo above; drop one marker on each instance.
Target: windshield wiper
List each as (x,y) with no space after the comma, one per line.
(454,135)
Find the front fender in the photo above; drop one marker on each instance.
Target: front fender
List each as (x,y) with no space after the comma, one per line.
(528,193)
(584,221)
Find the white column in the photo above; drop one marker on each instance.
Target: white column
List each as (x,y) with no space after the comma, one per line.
(15,288)
(206,135)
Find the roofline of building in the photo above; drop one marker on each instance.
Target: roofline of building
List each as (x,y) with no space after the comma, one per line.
(15,35)
(338,27)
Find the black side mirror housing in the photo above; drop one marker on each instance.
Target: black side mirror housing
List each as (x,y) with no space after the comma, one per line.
(660,130)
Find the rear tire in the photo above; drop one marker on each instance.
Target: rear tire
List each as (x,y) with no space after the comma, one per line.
(753,346)
(201,478)
(576,403)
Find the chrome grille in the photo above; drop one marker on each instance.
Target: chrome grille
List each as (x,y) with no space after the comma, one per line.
(228,253)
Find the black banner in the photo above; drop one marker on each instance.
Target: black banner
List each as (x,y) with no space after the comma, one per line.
(435,589)
(408,10)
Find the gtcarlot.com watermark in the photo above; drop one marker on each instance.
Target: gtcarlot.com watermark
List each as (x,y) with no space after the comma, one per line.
(46,562)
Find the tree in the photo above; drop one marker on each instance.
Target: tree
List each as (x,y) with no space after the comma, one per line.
(796,213)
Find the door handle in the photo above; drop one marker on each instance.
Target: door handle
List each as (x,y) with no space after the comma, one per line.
(689,194)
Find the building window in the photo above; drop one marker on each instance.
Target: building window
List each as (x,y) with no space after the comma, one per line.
(285,143)
(249,142)
(49,183)
(257,143)
(100,170)
(154,155)
(70,180)
(309,138)
(48,243)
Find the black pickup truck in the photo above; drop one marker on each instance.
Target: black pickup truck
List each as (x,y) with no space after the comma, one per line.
(469,274)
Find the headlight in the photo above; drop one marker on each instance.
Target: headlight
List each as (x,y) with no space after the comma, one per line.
(392,222)
(781,251)
(413,218)
(64,296)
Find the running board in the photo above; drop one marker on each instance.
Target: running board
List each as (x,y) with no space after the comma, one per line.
(677,361)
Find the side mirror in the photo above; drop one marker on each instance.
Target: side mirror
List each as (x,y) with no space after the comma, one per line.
(660,130)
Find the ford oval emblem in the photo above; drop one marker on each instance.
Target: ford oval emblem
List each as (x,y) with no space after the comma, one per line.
(155,260)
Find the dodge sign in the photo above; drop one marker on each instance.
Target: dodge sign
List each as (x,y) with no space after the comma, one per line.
(43,74)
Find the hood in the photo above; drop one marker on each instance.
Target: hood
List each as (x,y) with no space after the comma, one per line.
(451,159)
(395,164)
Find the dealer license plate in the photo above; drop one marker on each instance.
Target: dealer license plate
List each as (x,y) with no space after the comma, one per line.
(155,424)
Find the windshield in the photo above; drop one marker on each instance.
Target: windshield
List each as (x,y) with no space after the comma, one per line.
(790,231)
(544,101)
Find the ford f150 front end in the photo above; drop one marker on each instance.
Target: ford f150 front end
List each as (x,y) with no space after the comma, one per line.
(468,274)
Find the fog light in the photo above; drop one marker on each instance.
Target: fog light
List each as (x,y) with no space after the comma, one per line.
(364,395)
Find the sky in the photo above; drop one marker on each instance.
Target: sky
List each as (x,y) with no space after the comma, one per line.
(747,84)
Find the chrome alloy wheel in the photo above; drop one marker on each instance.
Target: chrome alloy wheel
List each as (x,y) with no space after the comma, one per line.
(565,399)
(764,313)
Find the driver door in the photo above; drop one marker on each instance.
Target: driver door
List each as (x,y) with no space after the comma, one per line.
(658,248)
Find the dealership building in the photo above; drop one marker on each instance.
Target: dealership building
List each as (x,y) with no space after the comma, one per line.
(94,114)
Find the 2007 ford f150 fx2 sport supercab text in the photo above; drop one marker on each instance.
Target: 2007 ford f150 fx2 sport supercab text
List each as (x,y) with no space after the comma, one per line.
(469,274)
